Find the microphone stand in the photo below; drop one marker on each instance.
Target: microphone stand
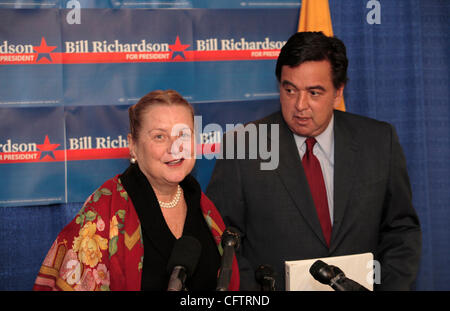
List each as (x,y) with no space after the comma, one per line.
(230,242)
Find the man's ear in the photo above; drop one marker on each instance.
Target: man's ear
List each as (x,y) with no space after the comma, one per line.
(338,97)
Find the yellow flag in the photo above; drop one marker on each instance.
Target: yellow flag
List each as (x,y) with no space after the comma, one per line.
(315,16)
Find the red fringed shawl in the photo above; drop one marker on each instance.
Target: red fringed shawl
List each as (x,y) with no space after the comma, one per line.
(102,249)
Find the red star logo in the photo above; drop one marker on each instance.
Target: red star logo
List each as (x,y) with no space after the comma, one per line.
(47,148)
(44,49)
(178,48)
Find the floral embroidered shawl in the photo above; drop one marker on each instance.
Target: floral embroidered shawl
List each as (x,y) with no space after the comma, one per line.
(102,249)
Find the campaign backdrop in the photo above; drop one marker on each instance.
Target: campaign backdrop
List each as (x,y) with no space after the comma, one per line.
(96,69)
(69,70)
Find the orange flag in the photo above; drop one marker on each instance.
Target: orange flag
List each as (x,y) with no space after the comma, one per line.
(315,16)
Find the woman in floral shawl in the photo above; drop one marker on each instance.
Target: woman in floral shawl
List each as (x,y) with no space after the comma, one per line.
(153,203)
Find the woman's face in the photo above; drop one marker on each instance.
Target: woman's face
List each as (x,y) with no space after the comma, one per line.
(165,146)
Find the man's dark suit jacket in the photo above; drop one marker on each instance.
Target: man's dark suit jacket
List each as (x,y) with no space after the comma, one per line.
(372,203)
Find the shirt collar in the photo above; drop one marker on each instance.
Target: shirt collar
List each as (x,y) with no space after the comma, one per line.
(325,140)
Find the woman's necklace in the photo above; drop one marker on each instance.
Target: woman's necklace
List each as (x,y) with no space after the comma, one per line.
(174,201)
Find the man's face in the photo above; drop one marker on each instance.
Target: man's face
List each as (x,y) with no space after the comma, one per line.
(308,97)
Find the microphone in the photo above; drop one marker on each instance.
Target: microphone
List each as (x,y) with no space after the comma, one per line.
(183,261)
(230,243)
(333,276)
(265,276)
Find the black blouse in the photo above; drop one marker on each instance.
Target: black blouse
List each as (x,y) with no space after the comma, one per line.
(158,239)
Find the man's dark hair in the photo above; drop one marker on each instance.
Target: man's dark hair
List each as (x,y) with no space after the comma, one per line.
(315,46)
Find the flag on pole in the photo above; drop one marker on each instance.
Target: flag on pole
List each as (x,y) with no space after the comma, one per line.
(315,16)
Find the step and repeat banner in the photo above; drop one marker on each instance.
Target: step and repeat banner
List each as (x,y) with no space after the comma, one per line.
(69,70)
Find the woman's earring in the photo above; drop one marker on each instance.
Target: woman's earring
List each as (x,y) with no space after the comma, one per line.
(133,160)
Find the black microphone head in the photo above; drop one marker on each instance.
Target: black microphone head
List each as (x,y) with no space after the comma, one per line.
(264,271)
(231,237)
(322,272)
(186,253)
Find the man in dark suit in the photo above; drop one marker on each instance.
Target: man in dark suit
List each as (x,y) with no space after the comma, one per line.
(357,200)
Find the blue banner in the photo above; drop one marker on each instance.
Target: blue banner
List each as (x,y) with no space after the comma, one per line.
(147,4)
(91,69)
(32,156)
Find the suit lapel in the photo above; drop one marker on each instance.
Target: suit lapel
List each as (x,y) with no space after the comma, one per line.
(345,151)
(290,171)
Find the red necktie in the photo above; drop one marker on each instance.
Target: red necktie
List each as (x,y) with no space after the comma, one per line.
(316,183)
